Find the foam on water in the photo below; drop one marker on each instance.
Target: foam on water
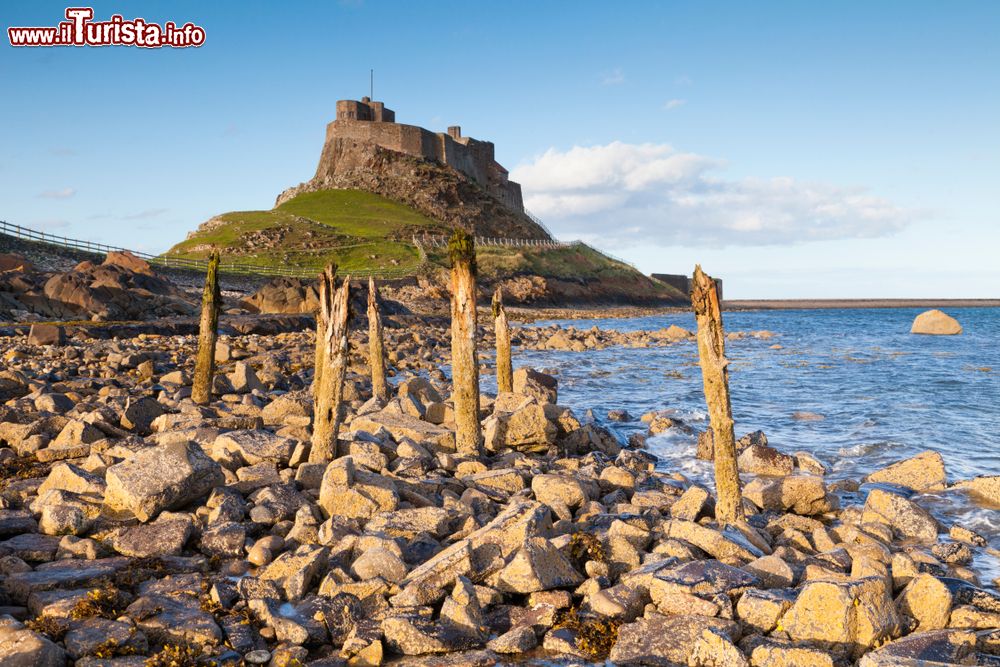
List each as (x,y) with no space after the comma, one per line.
(884,394)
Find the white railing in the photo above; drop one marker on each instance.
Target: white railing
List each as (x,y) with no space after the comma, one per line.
(491,241)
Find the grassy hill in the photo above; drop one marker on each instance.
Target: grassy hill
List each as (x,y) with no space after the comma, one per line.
(362,231)
(359,230)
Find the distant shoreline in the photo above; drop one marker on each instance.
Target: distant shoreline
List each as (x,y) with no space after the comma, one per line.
(794,304)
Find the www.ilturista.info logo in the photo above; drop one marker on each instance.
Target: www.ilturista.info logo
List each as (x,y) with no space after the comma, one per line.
(81,30)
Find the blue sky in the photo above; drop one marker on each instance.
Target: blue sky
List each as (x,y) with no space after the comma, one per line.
(796,149)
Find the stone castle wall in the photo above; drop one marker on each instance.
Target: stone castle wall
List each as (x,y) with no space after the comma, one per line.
(368,122)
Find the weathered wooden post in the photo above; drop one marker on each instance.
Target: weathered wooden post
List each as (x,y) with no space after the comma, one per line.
(327,413)
(325,289)
(208,331)
(715,378)
(464,363)
(376,344)
(505,371)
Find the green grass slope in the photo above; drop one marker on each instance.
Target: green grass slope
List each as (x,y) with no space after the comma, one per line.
(358,230)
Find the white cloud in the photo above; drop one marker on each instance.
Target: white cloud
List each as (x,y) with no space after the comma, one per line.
(626,194)
(65,193)
(613,78)
(673,104)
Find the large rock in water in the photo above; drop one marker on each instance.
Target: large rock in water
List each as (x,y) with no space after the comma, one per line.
(937,323)
(923,472)
(907,519)
(986,487)
(160,478)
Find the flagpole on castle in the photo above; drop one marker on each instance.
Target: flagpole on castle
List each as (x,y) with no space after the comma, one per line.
(371,84)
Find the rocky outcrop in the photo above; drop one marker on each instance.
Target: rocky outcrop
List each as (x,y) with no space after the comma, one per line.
(122,288)
(284,295)
(437,191)
(935,322)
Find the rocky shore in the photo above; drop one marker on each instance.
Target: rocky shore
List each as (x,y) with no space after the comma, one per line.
(137,528)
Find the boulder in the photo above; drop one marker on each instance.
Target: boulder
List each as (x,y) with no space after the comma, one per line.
(775,653)
(15,262)
(928,601)
(379,562)
(550,489)
(985,487)
(695,501)
(295,570)
(420,390)
(402,426)
(415,634)
(528,428)
(165,536)
(355,494)
(127,260)
(935,322)
(20,647)
(851,616)
(68,477)
(728,545)
(530,382)
(801,494)
(284,295)
(701,578)
(665,641)
(501,538)
(714,649)
(762,610)
(516,640)
(46,334)
(923,472)
(113,292)
(927,649)
(905,517)
(538,566)
(764,460)
(77,432)
(87,636)
(159,478)
(285,406)
(139,414)
(175,619)
(252,447)
(243,379)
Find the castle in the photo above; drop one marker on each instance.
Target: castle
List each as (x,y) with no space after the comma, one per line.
(370,122)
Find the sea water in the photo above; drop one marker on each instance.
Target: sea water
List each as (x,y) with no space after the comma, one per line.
(851,386)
